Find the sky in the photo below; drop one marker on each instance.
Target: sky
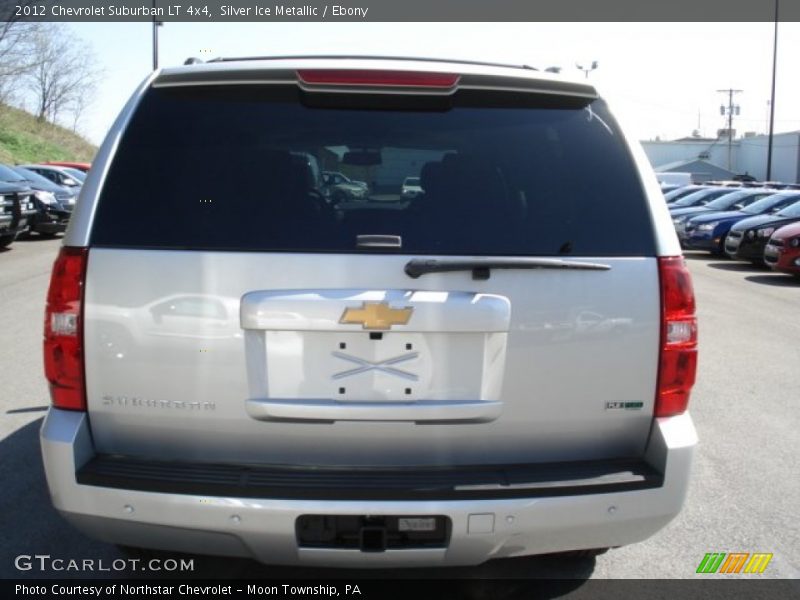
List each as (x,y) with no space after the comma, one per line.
(661,79)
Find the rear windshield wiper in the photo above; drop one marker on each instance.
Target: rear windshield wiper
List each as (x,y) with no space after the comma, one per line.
(481,267)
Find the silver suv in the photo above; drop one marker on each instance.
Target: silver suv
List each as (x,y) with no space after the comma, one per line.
(498,366)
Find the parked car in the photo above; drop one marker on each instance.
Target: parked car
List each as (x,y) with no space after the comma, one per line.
(16,208)
(733,200)
(411,188)
(681,192)
(699,198)
(54,203)
(782,252)
(58,175)
(339,188)
(708,231)
(780,185)
(492,372)
(80,166)
(747,238)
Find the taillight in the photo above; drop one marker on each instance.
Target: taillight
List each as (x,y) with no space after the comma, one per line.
(678,359)
(63,330)
(377,78)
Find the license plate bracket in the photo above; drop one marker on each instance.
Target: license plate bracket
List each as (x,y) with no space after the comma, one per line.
(373,533)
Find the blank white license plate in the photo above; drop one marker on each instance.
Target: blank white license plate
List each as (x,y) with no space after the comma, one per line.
(356,367)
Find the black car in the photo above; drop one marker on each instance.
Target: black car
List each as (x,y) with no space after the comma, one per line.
(54,203)
(748,238)
(16,208)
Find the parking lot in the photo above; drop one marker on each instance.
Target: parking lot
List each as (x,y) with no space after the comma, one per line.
(744,491)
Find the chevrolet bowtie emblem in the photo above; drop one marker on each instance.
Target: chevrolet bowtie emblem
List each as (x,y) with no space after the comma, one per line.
(376,315)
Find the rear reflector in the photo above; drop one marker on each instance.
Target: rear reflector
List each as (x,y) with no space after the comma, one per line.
(377,78)
(63,330)
(678,359)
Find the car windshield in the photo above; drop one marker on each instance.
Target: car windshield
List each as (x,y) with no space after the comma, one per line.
(29,175)
(765,204)
(728,200)
(791,211)
(698,196)
(411,181)
(8,175)
(79,175)
(680,193)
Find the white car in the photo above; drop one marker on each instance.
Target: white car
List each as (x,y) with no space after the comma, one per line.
(411,188)
(493,372)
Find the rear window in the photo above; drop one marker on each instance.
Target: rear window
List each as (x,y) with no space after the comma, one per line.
(247,168)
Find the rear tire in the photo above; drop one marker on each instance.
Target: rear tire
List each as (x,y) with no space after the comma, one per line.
(6,240)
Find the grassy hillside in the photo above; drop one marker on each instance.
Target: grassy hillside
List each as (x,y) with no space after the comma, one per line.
(24,140)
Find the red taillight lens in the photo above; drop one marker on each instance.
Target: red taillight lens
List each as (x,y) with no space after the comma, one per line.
(63,330)
(377,78)
(678,360)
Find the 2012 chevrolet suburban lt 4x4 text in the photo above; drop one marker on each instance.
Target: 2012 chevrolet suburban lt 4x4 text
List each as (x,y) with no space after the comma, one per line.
(483,369)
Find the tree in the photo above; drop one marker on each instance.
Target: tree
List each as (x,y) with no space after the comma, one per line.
(64,75)
(16,54)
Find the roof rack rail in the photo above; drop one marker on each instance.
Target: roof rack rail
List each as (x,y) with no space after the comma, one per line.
(369,57)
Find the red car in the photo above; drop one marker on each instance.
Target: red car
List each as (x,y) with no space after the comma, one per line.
(782,252)
(81,166)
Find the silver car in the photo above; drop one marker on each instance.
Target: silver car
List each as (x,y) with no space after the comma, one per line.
(251,370)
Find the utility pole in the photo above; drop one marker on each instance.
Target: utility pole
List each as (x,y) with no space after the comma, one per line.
(730,110)
(772,100)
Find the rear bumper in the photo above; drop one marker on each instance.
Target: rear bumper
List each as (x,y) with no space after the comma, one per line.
(264,528)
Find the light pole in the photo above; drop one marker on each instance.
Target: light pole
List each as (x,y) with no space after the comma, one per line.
(156,25)
(588,69)
(772,97)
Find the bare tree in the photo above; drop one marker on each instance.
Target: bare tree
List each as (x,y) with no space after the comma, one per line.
(16,54)
(64,75)
(80,103)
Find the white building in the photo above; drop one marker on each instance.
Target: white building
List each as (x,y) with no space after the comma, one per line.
(747,155)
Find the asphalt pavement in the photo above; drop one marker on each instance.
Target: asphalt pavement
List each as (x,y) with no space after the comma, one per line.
(745,487)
